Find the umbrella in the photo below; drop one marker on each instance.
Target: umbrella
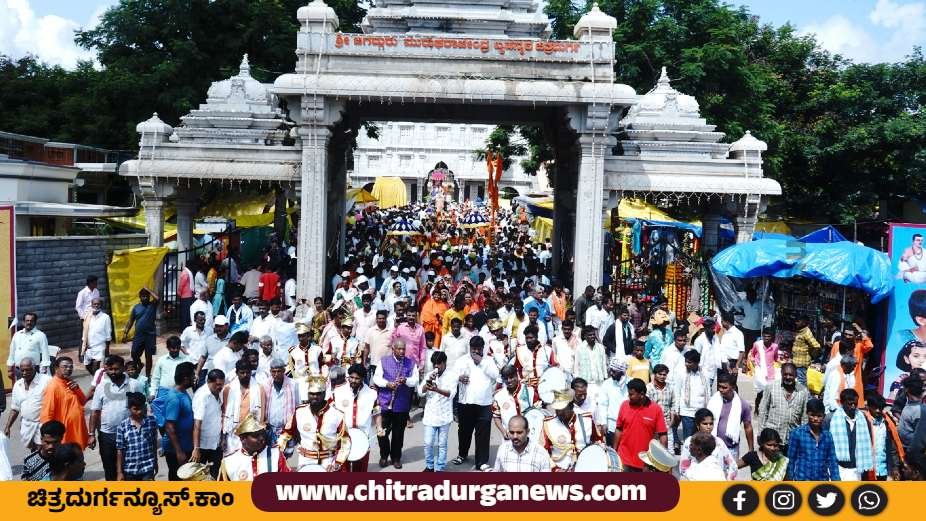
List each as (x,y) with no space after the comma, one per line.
(403,227)
(474,219)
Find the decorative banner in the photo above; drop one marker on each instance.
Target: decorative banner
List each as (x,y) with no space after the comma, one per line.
(906,316)
(7,275)
(130,271)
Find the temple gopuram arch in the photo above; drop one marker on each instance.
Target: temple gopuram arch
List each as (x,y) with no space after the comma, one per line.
(449,61)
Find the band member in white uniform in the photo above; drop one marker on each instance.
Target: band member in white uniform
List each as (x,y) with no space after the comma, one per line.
(533,358)
(320,430)
(512,399)
(358,403)
(255,456)
(567,433)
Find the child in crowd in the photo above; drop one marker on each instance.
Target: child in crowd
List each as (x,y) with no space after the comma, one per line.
(137,442)
(637,366)
(133,370)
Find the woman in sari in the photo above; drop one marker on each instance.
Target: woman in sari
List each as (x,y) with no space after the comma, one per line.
(767,463)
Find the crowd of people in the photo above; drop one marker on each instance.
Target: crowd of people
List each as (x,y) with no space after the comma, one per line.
(472,328)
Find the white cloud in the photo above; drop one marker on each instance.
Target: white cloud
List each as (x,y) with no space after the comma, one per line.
(839,35)
(895,28)
(50,38)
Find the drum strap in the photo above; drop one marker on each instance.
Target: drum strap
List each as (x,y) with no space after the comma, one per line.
(581,423)
(269,461)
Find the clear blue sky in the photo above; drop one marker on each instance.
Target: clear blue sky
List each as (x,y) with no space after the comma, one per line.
(865,30)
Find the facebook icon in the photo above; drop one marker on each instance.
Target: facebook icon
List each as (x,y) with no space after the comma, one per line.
(740,500)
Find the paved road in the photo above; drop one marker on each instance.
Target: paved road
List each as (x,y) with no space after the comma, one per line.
(412,460)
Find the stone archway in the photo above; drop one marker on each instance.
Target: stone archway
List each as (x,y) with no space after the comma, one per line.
(494,64)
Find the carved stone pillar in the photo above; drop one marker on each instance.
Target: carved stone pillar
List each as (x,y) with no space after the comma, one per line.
(186,211)
(154,221)
(595,144)
(313,199)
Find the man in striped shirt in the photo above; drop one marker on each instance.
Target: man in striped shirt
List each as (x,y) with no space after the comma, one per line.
(518,454)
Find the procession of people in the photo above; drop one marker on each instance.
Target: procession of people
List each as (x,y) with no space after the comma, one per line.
(465,324)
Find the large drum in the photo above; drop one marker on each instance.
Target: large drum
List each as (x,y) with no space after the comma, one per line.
(359,444)
(535,419)
(597,458)
(553,379)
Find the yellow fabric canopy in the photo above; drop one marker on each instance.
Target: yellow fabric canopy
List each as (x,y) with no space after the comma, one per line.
(390,192)
(773,227)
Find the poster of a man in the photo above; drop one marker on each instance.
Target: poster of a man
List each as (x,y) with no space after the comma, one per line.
(912,266)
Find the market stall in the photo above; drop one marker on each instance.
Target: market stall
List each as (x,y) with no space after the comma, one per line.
(833,283)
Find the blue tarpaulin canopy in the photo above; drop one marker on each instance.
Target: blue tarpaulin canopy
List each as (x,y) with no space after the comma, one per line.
(825,234)
(842,263)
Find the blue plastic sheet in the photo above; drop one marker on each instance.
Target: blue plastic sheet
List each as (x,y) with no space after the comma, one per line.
(826,234)
(841,263)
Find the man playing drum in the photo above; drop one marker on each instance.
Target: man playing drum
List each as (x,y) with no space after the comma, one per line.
(567,433)
(358,403)
(533,358)
(320,430)
(254,457)
(511,400)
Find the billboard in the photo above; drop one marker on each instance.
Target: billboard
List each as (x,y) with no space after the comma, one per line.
(7,275)
(906,319)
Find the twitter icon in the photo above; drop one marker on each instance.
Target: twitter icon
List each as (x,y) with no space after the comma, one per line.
(826,500)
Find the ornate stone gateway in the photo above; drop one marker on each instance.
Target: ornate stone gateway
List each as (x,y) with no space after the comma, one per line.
(469,62)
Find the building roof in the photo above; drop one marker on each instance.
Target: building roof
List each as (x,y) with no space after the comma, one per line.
(43,209)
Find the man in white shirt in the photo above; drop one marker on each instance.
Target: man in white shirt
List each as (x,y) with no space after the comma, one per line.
(837,380)
(98,332)
(263,324)
(376,343)
(207,422)
(289,293)
(598,315)
(202,304)
(226,358)
(108,409)
(691,392)
(477,376)
(708,345)
(364,317)
(193,338)
(214,342)
(85,297)
(519,454)
(612,394)
(28,342)
(565,344)
(732,345)
(454,344)
(438,388)
(27,403)
(673,357)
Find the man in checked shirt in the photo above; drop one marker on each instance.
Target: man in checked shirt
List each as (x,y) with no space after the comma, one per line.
(519,454)
(806,348)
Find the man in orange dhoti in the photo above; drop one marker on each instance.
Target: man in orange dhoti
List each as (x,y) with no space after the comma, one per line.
(64,401)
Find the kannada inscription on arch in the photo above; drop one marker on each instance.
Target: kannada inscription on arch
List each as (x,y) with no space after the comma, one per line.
(419,46)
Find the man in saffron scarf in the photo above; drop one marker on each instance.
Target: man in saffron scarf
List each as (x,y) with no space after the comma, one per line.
(64,402)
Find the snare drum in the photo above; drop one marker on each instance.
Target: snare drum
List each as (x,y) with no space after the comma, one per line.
(359,444)
(597,458)
(535,419)
(553,379)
